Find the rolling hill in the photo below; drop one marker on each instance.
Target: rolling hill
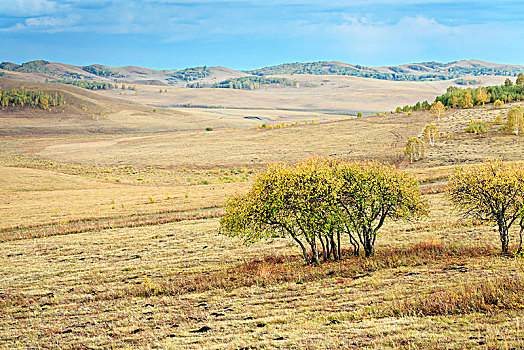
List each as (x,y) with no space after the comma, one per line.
(41,70)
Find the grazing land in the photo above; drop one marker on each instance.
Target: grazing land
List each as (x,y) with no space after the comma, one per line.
(110,208)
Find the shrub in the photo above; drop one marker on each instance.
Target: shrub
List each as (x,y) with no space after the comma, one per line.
(499,120)
(476,127)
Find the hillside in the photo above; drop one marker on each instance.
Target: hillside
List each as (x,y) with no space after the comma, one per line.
(41,70)
(424,71)
(48,71)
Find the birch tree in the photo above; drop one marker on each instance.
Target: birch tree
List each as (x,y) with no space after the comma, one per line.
(431,134)
(437,110)
(415,149)
(515,121)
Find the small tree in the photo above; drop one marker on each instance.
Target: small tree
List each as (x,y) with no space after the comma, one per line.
(482,96)
(499,120)
(498,104)
(415,149)
(319,199)
(359,115)
(492,192)
(454,101)
(515,121)
(431,134)
(297,202)
(520,79)
(437,110)
(508,82)
(372,192)
(467,100)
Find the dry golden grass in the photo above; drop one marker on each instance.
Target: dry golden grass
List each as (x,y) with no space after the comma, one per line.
(30,196)
(84,290)
(381,138)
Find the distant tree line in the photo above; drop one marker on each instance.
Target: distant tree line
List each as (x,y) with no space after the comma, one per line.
(36,98)
(456,97)
(467,98)
(91,85)
(467,82)
(397,73)
(246,83)
(38,66)
(101,71)
(193,73)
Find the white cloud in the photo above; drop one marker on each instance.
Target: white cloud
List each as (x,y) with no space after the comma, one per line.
(27,8)
(50,22)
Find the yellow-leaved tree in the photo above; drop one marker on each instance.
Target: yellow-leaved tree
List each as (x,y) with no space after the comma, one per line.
(482,95)
(370,193)
(515,121)
(319,199)
(437,110)
(431,134)
(466,100)
(415,149)
(492,192)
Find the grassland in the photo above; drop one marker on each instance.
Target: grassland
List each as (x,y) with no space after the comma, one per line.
(109,234)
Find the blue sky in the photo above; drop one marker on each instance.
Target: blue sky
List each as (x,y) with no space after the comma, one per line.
(244,34)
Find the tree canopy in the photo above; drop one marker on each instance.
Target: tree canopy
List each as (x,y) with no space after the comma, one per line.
(492,192)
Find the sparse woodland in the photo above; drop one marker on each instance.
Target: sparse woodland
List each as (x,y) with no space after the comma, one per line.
(34,98)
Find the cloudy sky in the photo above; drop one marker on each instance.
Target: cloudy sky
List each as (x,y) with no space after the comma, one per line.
(244,34)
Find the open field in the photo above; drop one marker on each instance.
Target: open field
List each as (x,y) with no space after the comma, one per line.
(316,93)
(109,226)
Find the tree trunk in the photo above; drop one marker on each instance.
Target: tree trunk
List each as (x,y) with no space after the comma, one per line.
(324,251)
(328,248)
(521,237)
(304,250)
(334,248)
(338,246)
(369,247)
(314,259)
(504,238)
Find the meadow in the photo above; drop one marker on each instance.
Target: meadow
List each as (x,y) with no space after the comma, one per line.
(109,227)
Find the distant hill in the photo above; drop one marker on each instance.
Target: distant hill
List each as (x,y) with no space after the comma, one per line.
(52,71)
(41,70)
(425,71)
